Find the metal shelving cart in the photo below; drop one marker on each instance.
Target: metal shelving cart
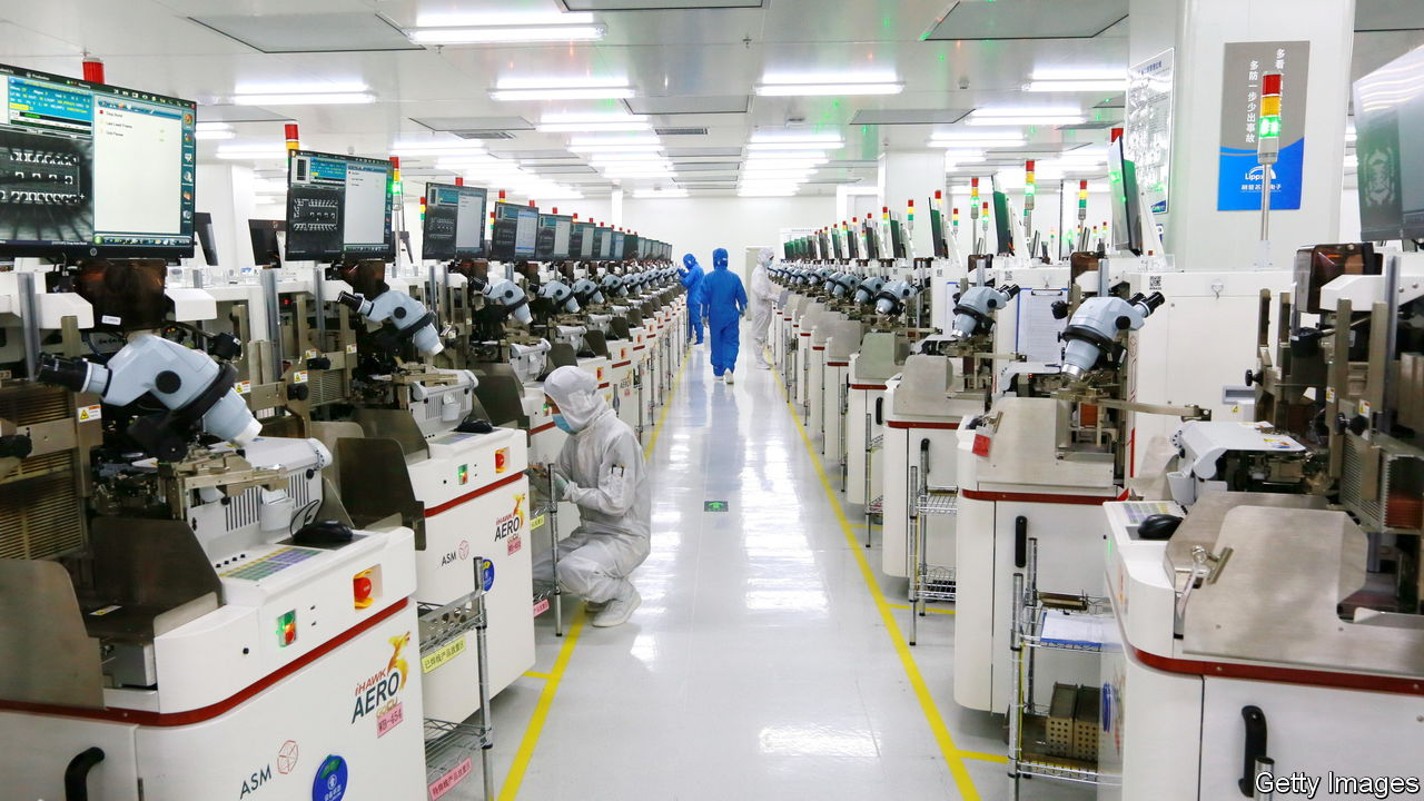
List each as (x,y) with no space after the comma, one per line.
(876,505)
(552,594)
(928,582)
(1041,743)
(449,746)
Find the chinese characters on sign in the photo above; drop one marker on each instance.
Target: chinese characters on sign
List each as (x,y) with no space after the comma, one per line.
(1240,174)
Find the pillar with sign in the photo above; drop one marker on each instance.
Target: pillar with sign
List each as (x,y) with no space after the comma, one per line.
(1196,103)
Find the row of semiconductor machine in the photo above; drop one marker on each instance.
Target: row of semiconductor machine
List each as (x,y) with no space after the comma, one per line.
(273,527)
(1177,512)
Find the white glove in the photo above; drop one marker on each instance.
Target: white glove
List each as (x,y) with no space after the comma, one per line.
(563,488)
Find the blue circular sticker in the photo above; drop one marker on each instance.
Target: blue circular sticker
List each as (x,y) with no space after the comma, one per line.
(331,779)
(487,574)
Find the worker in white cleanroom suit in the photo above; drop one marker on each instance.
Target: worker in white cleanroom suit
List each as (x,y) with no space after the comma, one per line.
(600,469)
(763,295)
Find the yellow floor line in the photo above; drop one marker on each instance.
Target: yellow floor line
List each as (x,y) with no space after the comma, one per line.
(510,790)
(930,609)
(998,759)
(953,756)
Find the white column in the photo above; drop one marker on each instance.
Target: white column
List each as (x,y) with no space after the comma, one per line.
(1196,233)
(226,191)
(615,209)
(912,175)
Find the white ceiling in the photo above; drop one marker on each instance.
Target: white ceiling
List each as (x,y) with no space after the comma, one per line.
(676,60)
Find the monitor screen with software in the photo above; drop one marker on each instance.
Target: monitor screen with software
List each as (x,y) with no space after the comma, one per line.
(88,169)
(338,207)
(454,225)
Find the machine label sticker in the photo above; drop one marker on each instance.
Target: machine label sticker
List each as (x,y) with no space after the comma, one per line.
(109,319)
(486,574)
(351,349)
(1329,394)
(378,695)
(243,387)
(512,523)
(1365,408)
(537,522)
(464,474)
(312,353)
(89,414)
(541,607)
(501,461)
(287,757)
(441,657)
(331,780)
(106,610)
(464,549)
(447,782)
(515,544)
(299,377)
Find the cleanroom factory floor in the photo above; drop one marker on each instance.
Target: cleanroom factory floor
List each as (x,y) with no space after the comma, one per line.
(768,659)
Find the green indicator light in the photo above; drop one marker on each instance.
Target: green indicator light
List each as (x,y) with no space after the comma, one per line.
(1269,128)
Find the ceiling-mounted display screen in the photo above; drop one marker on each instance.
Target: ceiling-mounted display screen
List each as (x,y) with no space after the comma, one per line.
(88,169)
(338,207)
(454,226)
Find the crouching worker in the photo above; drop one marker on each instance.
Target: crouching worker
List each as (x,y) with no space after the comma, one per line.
(600,469)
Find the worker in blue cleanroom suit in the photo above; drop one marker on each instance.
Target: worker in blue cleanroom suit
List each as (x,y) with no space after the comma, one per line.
(692,280)
(601,470)
(726,302)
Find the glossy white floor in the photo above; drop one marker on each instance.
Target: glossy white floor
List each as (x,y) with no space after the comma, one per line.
(760,665)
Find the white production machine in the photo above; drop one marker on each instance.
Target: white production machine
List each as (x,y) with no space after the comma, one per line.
(229,657)
(1238,678)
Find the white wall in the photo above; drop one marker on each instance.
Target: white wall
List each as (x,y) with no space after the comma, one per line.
(700,225)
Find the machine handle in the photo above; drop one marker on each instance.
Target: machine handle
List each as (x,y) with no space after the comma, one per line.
(1020,541)
(879,411)
(1255,751)
(76,774)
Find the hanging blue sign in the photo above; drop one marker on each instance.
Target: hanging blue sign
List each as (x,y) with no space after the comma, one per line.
(1240,175)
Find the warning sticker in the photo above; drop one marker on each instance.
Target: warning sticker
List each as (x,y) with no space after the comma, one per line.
(90,413)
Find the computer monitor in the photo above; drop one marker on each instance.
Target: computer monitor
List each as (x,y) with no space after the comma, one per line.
(1389,113)
(516,231)
(1126,201)
(203,229)
(852,243)
(872,240)
(941,246)
(552,241)
(88,169)
(580,246)
(1003,224)
(267,236)
(454,226)
(632,247)
(897,240)
(615,250)
(338,207)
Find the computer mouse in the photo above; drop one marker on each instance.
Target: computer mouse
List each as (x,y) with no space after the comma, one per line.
(323,532)
(1158,527)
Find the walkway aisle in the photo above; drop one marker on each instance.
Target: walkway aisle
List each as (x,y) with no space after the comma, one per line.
(759,666)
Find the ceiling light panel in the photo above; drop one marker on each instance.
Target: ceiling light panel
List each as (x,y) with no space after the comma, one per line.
(309,33)
(669,106)
(659,5)
(1027,19)
(505,34)
(870,116)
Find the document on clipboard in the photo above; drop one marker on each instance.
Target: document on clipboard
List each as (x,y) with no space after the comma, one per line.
(1038,330)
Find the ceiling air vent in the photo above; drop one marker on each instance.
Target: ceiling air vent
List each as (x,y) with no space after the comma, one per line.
(483,134)
(680,131)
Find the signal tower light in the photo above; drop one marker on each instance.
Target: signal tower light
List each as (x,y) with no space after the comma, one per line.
(1268,129)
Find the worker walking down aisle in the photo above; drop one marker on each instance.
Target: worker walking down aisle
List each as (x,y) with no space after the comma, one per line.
(726,302)
(601,471)
(763,293)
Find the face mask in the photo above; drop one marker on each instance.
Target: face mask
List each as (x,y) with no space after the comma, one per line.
(563,424)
